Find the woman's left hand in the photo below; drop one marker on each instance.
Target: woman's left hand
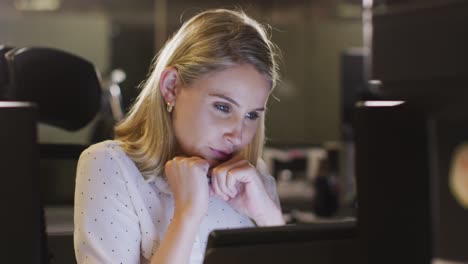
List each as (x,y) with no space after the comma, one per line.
(238,183)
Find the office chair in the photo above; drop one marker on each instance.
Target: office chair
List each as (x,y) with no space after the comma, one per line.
(67,91)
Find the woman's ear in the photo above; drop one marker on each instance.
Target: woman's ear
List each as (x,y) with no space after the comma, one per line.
(167,84)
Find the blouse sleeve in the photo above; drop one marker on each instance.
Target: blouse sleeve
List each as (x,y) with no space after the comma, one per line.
(106,227)
(268,181)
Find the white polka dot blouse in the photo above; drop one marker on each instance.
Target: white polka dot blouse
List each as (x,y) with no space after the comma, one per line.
(121,217)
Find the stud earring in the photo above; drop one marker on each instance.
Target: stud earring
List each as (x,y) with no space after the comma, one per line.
(169,107)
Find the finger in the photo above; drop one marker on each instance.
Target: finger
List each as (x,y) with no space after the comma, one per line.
(200,163)
(220,175)
(231,183)
(242,174)
(221,183)
(170,167)
(178,158)
(217,191)
(225,167)
(168,164)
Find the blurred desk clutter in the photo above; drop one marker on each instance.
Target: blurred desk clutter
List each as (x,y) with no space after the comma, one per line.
(309,180)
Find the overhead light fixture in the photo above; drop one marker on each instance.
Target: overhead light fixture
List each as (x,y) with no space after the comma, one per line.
(9,104)
(37,5)
(379,103)
(367,3)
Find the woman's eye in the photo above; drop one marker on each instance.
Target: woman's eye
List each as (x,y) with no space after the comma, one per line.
(223,108)
(252,116)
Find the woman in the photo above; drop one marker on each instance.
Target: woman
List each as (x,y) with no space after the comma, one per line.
(185,160)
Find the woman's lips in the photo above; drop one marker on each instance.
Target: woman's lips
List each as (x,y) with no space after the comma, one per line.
(221,155)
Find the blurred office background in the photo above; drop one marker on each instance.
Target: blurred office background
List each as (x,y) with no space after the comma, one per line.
(127,35)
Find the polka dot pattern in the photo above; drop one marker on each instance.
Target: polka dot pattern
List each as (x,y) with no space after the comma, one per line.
(121,216)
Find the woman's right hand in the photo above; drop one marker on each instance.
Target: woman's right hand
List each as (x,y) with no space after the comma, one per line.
(187,177)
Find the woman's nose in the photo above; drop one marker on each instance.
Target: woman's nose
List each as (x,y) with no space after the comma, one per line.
(234,134)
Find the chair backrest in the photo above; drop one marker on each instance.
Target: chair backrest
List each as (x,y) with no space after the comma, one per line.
(66,87)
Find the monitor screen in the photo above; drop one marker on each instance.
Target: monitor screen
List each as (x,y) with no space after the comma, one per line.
(326,243)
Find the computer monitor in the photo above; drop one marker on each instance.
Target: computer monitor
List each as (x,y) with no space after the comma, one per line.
(22,221)
(406,210)
(325,243)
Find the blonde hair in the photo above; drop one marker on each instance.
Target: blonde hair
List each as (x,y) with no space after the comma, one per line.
(210,41)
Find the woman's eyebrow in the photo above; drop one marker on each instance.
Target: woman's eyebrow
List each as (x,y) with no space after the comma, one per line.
(227,98)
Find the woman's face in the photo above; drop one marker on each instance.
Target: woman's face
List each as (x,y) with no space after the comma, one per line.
(218,114)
